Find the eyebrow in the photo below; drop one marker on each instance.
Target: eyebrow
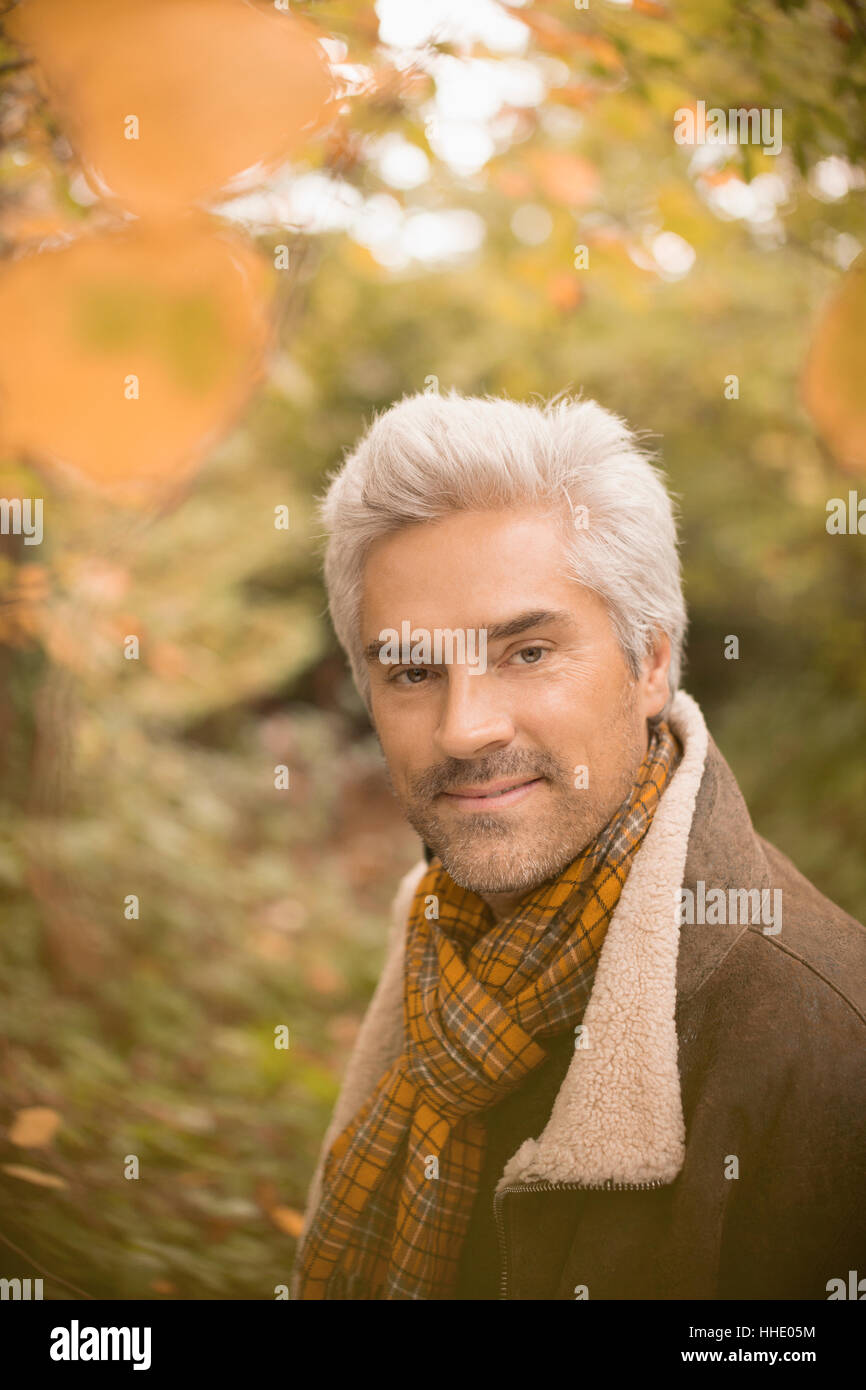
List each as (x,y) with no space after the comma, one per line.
(523,622)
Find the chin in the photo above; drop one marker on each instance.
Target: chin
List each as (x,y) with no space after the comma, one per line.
(514,872)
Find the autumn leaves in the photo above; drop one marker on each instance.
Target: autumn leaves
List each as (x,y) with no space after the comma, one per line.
(133,340)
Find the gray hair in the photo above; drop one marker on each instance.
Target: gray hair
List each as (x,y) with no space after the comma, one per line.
(430,455)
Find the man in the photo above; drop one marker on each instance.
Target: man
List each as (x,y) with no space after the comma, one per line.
(617,1047)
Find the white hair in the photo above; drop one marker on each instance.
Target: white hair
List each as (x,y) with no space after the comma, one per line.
(430,455)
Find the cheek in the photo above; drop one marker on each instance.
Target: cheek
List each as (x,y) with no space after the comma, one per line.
(583,717)
(402,748)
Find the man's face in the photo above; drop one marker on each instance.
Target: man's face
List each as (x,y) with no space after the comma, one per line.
(556,717)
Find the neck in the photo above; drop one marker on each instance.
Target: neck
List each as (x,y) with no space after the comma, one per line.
(502,904)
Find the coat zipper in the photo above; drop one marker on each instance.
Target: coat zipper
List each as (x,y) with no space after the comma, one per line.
(609,1186)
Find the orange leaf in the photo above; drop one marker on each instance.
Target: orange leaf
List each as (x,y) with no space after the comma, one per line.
(579,94)
(514,183)
(323,978)
(288,1220)
(835,370)
(161,330)
(564,291)
(35,1127)
(34,1175)
(602,51)
(553,36)
(549,32)
(650,8)
(166,102)
(566,178)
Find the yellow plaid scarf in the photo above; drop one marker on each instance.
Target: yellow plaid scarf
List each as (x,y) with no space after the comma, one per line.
(399,1182)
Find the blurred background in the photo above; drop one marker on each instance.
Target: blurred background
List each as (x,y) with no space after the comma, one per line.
(231,231)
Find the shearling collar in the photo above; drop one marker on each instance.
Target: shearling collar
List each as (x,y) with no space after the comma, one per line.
(618,1115)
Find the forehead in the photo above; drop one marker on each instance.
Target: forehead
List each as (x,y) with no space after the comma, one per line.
(468,567)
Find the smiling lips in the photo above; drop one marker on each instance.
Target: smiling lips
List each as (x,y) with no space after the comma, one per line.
(494,795)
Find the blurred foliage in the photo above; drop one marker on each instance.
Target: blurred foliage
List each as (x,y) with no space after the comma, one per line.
(259,908)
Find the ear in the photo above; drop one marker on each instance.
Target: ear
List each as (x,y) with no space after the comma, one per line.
(655,689)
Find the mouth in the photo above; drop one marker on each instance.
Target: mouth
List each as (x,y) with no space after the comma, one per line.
(494,796)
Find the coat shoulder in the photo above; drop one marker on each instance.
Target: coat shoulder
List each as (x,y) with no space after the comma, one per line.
(817,934)
(819,946)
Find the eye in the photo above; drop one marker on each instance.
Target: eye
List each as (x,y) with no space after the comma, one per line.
(412,671)
(538,652)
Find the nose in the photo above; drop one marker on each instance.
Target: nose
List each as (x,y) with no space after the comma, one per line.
(474,719)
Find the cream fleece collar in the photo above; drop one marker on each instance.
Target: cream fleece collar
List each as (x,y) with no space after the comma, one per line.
(618,1114)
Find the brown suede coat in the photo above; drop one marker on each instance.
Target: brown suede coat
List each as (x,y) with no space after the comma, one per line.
(711,1142)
